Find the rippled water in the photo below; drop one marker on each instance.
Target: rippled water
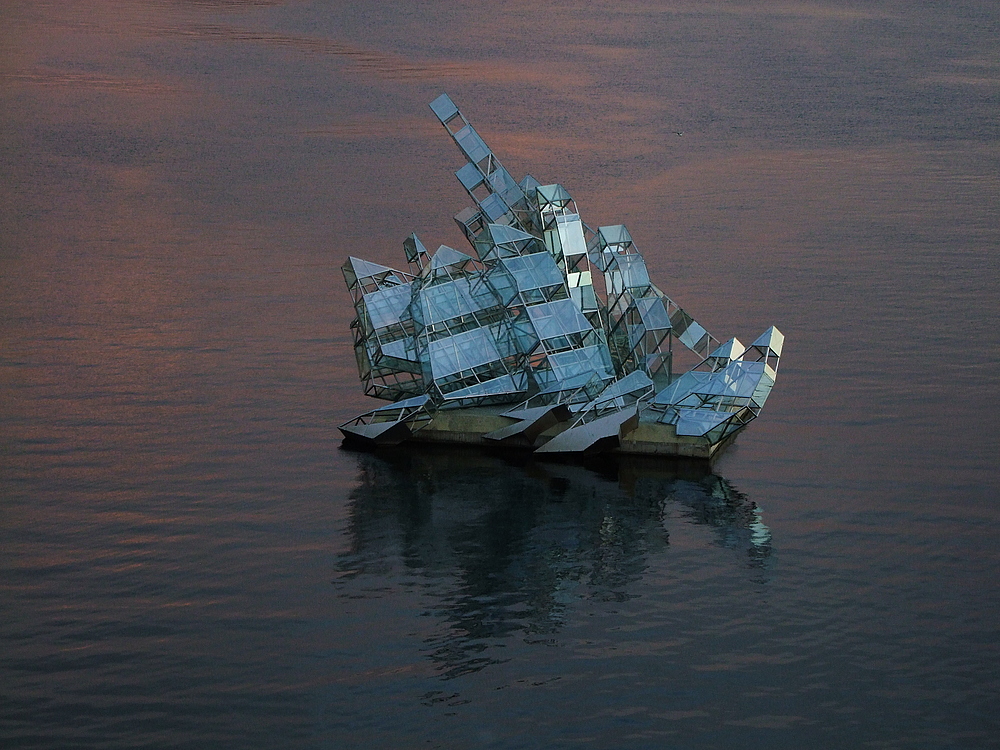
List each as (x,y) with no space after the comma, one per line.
(189,559)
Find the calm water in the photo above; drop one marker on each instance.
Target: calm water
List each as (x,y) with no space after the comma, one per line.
(189,559)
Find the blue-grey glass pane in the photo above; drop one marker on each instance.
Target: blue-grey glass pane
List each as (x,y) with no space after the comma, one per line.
(400,349)
(570,365)
(692,335)
(633,270)
(525,334)
(763,389)
(409,403)
(553,194)
(634,381)
(729,350)
(771,338)
(653,313)
(571,235)
(503,183)
(503,284)
(503,337)
(413,248)
(471,144)
(493,206)
(469,176)
(502,233)
(684,386)
(448,256)
(445,301)
(534,271)
(738,379)
(696,422)
(558,318)
(592,380)
(600,259)
(584,297)
(615,235)
(528,184)
(635,334)
(505,384)
(365,268)
(482,294)
(387,305)
(443,107)
(463,351)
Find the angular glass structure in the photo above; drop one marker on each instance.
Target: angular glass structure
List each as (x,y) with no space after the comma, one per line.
(550,336)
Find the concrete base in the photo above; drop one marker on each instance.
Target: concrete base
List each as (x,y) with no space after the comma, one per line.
(469,426)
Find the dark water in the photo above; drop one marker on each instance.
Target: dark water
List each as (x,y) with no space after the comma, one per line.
(188,558)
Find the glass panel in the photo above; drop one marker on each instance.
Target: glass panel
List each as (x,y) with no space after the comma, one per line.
(571,234)
(409,403)
(557,318)
(503,183)
(444,107)
(681,388)
(692,335)
(534,271)
(401,349)
(493,206)
(463,351)
(387,306)
(570,365)
(634,381)
(471,144)
(503,284)
(365,268)
(635,334)
(633,270)
(448,256)
(469,176)
(615,235)
(553,194)
(506,384)
(525,334)
(772,338)
(446,301)
(653,313)
(763,389)
(738,379)
(413,248)
(504,234)
(730,350)
(696,422)
(528,184)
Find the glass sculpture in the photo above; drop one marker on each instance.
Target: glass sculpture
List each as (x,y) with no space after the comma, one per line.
(551,337)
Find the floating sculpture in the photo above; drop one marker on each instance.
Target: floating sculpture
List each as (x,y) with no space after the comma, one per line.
(552,338)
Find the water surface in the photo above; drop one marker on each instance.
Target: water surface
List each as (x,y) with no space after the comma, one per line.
(189,559)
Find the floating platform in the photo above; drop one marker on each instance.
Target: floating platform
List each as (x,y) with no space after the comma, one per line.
(487,427)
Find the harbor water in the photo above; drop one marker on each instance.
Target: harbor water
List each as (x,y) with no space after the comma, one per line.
(190,559)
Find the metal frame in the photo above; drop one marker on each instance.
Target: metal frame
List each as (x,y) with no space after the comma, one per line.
(547,313)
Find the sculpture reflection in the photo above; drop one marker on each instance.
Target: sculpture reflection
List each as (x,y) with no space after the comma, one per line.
(506,548)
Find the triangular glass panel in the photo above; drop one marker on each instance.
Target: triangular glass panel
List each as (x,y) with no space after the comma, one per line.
(502,234)
(615,235)
(553,194)
(448,256)
(732,349)
(365,268)
(772,338)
